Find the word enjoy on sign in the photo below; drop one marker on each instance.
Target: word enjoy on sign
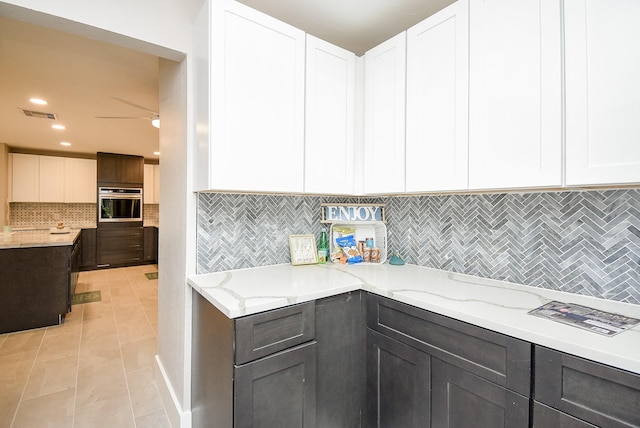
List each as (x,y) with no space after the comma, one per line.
(337,213)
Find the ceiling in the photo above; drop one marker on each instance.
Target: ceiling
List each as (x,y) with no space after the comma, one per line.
(79,77)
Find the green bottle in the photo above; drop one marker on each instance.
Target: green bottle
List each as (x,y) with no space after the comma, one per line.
(323,248)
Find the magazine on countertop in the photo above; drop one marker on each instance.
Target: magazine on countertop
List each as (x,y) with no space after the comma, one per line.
(605,323)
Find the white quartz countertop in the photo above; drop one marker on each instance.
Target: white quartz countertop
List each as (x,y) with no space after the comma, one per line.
(496,305)
(37,238)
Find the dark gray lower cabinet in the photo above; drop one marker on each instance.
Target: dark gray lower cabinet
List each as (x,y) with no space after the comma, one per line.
(398,384)
(119,244)
(89,241)
(278,390)
(545,417)
(150,244)
(462,399)
(595,393)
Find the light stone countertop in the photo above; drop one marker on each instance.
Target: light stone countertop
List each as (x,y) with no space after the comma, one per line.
(29,238)
(495,305)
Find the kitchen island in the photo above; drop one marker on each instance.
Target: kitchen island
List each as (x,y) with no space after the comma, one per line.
(39,273)
(425,326)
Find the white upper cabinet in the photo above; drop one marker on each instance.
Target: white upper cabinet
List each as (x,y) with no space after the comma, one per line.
(256,127)
(330,118)
(151,190)
(437,101)
(80,176)
(51,178)
(515,103)
(602,69)
(25,177)
(384,117)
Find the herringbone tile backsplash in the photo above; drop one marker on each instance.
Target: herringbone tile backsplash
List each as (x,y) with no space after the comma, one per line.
(579,242)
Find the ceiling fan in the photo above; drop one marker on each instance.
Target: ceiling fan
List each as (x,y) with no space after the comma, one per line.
(155,119)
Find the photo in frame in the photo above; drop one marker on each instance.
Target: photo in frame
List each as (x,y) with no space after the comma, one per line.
(303,250)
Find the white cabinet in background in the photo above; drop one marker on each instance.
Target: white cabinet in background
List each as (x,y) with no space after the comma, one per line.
(25,177)
(384,116)
(437,101)
(602,80)
(151,190)
(51,178)
(515,103)
(80,177)
(329,118)
(256,125)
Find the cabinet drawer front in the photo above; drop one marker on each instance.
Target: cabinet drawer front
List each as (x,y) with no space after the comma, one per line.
(501,359)
(599,394)
(545,416)
(263,334)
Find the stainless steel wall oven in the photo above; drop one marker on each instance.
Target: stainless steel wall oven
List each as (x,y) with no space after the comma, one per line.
(119,204)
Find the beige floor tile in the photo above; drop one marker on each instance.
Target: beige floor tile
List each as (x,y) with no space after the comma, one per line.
(117,274)
(3,337)
(62,345)
(22,342)
(100,382)
(139,355)
(51,375)
(98,310)
(14,373)
(97,350)
(155,419)
(136,330)
(98,327)
(109,413)
(144,394)
(152,316)
(47,411)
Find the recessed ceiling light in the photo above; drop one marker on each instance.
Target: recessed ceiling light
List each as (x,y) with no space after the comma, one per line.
(64,143)
(38,101)
(156,153)
(58,126)
(155,122)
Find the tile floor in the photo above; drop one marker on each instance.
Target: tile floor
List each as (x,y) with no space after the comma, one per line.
(95,370)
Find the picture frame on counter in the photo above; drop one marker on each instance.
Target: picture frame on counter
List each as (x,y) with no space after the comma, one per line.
(303,250)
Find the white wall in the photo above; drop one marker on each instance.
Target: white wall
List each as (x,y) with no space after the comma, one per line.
(162,28)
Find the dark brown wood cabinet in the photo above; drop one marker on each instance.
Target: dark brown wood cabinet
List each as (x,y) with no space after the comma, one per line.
(252,371)
(581,389)
(454,374)
(151,244)
(120,244)
(89,243)
(120,170)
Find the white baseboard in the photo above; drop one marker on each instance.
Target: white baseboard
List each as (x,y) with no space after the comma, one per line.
(177,416)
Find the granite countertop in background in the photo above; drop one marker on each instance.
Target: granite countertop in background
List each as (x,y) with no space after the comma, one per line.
(495,305)
(29,238)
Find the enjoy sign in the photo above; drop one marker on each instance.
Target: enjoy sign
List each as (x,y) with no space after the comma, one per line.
(332,213)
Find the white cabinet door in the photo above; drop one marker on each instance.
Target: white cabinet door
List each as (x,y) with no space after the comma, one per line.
(25,181)
(80,180)
(149,181)
(437,101)
(602,80)
(151,189)
(384,132)
(515,128)
(257,101)
(329,118)
(51,178)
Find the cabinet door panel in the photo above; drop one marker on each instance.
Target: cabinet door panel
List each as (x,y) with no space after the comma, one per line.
(278,390)
(593,392)
(545,417)
(80,180)
(330,118)
(515,137)
(51,179)
(461,399)
(437,101)
(384,117)
(398,384)
(25,182)
(257,98)
(602,63)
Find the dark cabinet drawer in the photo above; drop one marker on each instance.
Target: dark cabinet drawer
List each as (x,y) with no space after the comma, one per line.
(120,245)
(598,394)
(485,353)
(545,417)
(269,332)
